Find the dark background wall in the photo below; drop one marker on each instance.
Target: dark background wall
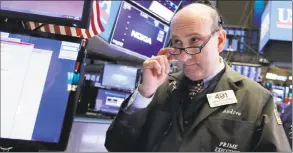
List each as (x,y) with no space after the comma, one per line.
(236,12)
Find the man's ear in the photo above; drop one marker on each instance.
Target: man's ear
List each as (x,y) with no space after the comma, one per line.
(221,40)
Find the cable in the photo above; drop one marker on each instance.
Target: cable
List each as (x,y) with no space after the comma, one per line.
(246,7)
(39,27)
(238,38)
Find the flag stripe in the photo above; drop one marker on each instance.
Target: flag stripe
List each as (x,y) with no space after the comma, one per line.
(73,31)
(93,21)
(67,31)
(98,18)
(47,28)
(36,25)
(62,30)
(51,27)
(57,29)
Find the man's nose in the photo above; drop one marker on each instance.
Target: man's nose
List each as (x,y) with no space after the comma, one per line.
(183,57)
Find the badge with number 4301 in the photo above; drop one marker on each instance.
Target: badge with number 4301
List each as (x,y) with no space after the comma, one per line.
(221,98)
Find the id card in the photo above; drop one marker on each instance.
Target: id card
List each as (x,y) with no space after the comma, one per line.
(221,98)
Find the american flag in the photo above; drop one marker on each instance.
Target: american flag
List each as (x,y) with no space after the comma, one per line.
(95,26)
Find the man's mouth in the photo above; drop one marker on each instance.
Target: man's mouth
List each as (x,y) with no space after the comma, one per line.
(189,64)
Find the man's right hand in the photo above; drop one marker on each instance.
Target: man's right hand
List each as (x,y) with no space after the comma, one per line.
(155,73)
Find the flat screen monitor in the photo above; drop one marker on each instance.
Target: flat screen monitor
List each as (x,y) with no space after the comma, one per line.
(162,8)
(137,31)
(109,101)
(278,93)
(69,13)
(245,70)
(252,72)
(37,75)
(120,76)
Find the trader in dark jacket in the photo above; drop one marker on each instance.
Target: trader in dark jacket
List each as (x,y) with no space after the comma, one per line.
(287,122)
(208,107)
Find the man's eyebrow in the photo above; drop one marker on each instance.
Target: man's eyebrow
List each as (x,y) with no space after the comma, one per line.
(188,35)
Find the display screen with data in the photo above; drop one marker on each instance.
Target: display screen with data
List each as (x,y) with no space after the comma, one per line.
(36,79)
(138,32)
(109,101)
(252,72)
(119,76)
(162,8)
(73,10)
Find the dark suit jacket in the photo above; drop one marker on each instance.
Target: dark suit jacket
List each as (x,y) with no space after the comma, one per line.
(252,124)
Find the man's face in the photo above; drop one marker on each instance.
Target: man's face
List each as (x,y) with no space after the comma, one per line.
(188,29)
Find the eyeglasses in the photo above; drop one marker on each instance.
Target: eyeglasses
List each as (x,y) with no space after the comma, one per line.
(193,50)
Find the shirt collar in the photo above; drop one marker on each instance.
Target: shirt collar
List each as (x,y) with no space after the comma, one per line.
(207,80)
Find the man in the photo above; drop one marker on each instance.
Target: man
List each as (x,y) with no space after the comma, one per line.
(208,107)
(287,122)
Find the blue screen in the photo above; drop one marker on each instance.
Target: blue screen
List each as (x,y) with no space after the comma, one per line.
(276,22)
(139,32)
(281,20)
(252,72)
(162,8)
(39,73)
(119,76)
(109,11)
(109,101)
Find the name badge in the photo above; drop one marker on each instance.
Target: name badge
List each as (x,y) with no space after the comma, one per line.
(221,98)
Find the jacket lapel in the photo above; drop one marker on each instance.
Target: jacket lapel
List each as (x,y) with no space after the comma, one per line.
(228,81)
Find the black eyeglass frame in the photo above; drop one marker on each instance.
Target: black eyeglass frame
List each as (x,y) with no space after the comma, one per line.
(198,47)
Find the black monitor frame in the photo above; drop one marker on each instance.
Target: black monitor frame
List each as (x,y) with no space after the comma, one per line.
(29,145)
(83,23)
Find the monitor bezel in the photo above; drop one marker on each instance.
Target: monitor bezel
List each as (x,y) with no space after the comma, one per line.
(121,89)
(71,104)
(83,23)
(144,11)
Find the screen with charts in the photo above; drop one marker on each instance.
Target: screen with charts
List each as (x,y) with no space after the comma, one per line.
(136,31)
(73,10)
(109,101)
(36,79)
(252,72)
(119,76)
(162,8)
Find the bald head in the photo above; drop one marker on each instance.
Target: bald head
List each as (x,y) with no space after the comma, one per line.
(198,12)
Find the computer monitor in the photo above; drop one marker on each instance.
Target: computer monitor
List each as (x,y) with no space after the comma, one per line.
(137,31)
(252,72)
(37,97)
(278,93)
(162,8)
(120,76)
(73,13)
(109,101)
